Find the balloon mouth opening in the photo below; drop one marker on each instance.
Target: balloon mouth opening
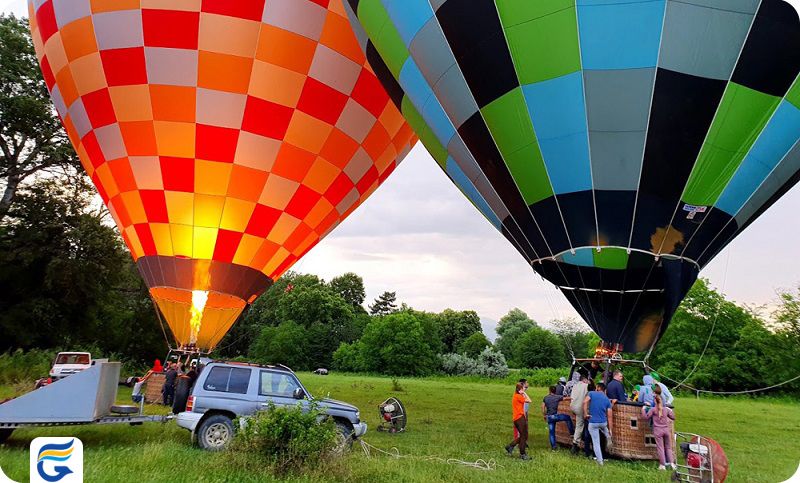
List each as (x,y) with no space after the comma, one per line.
(197,318)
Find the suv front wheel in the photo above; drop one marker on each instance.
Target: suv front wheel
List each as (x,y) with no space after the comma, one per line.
(344,434)
(215,432)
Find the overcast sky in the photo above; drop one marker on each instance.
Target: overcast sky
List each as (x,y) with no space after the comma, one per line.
(418,236)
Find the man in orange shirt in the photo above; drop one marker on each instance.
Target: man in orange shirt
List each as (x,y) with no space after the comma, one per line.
(520,421)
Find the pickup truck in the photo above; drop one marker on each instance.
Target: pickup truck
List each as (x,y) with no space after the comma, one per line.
(227,390)
(69,363)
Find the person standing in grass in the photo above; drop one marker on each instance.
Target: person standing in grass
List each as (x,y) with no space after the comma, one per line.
(578,394)
(520,421)
(597,408)
(551,416)
(662,420)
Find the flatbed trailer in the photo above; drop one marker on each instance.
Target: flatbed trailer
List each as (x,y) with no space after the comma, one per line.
(85,398)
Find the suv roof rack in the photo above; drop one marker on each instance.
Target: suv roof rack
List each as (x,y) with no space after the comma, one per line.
(252,364)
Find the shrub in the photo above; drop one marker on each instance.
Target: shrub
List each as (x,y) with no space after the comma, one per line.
(289,438)
(458,365)
(348,357)
(544,377)
(490,363)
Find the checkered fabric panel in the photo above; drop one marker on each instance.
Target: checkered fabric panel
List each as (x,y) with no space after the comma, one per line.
(239,132)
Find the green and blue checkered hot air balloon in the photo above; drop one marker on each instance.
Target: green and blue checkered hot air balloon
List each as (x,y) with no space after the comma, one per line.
(619,145)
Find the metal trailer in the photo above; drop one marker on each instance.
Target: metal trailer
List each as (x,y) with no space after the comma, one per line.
(87,397)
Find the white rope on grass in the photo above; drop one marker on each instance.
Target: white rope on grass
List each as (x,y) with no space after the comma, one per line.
(393,452)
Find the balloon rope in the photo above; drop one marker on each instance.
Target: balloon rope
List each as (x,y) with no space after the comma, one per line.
(160,321)
(731,393)
(714,324)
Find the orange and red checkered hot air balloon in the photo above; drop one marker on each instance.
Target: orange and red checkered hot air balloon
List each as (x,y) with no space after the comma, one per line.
(225,137)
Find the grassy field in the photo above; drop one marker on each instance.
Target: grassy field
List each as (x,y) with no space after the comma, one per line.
(448,419)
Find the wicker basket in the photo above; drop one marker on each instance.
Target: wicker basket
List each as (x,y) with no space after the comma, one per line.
(633,436)
(152,392)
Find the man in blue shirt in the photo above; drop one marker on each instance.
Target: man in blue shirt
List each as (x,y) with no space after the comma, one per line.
(597,408)
(616,391)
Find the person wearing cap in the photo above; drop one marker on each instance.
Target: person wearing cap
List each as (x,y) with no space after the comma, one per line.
(666,396)
(562,381)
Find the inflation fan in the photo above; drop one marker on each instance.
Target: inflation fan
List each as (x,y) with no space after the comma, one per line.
(393,416)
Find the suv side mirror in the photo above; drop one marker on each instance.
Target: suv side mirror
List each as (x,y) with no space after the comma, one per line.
(299,393)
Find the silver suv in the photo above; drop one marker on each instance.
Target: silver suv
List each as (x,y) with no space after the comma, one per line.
(226,390)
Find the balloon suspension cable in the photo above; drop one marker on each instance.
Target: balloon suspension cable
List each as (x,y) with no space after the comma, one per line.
(238,339)
(726,393)
(160,321)
(714,324)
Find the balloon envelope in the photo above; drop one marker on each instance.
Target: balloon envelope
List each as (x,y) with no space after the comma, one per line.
(226,138)
(618,145)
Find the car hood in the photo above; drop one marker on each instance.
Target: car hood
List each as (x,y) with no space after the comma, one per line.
(334,404)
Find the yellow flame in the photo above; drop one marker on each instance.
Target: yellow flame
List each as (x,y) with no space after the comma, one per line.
(199,299)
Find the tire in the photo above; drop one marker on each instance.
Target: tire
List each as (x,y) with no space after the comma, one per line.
(5,433)
(124,409)
(182,390)
(215,432)
(344,437)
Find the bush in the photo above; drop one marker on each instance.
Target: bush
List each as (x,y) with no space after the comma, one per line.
(490,363)
(348,357)
(538,377)
(458,365)
(289,438)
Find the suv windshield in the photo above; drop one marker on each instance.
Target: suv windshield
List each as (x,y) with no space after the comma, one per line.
(72,359)
(277,384)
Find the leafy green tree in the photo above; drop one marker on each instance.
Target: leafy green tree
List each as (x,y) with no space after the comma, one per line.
(740,354)
(349,287)
(395,345)
(32,139)
(787,315)
(385,304)
(574,337)
(285,344)
(510,328)
(430,327)
(456,326)
(66,278)
(538,348)
(473,345)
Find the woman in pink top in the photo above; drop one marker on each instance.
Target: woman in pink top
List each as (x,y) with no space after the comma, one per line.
(662,418)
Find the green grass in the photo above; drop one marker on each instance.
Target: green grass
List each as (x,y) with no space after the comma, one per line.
(448,419)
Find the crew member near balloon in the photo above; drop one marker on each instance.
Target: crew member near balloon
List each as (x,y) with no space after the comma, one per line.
(518,402)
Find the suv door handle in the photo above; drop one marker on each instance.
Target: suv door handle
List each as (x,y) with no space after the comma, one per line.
(264,405)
